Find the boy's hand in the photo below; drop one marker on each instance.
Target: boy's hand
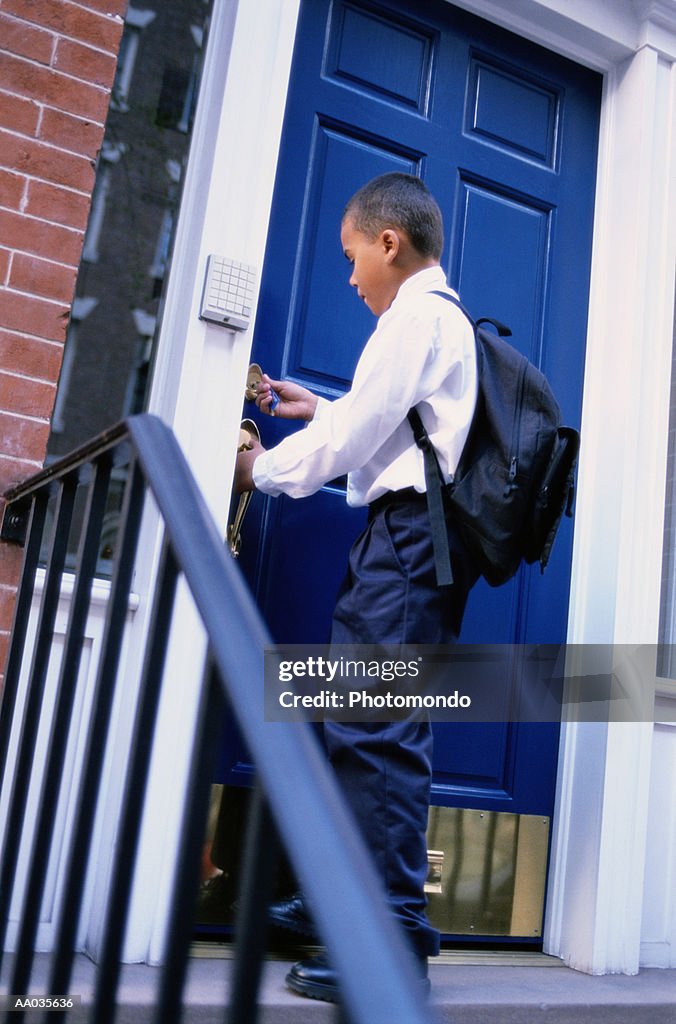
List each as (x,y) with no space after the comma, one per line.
(244,467)
(295,402)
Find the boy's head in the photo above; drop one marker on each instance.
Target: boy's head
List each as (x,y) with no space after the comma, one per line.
(399,201)
(391,229)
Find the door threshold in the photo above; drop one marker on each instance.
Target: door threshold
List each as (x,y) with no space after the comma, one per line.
(201,949)
(496,958)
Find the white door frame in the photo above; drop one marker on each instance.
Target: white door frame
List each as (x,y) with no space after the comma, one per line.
(599,839)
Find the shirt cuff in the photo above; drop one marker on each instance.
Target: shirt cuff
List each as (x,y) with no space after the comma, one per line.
(261,475)
(322,405)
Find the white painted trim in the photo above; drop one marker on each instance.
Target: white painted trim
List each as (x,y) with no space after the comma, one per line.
(599,35)
(100,592)
(601,821)
(658,929)
(55,860)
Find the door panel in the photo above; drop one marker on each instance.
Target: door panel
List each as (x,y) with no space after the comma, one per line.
(505,135)
(339,159)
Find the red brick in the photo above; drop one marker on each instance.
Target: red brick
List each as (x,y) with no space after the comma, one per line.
(33,316)
(7,604)
(32,357)
(26,397)
(4,265)
(49,202)
(27,234)
(52,88)
(26,40)
(84,62)
(18,114)
(108,6)
(12,188)
(73,133)
(5,641)
(11,555)
(13,473)
(45,278)
(38,160)
(22,438)
(4,652)
(70,19)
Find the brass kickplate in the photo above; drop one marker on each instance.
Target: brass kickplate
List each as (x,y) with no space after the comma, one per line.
(487,872)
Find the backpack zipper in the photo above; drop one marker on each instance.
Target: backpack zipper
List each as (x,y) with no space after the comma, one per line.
(516,431)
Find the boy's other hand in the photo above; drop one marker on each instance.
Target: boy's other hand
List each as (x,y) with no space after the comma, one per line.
(295,402)
(244,467)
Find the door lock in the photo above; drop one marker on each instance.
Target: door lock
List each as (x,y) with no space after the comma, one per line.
(254,376)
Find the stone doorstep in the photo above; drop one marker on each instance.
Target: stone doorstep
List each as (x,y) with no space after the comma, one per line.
(489,990)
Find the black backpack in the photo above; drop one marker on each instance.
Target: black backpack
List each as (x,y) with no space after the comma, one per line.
(516,473)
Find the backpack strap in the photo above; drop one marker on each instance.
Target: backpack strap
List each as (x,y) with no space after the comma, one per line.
(434,481)
(501,328)
(435,501)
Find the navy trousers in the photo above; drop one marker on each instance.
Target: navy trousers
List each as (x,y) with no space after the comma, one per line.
(390,596)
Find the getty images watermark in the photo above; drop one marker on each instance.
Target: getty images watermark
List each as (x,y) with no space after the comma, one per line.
(359,683)
(465,683)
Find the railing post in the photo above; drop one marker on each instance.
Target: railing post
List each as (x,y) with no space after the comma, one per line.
(22,611)
(195,809)
(261,855)
(135,788)
(60,727)
(92,763)
(16,810)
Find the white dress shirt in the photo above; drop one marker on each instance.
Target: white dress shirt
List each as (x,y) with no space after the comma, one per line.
(422,352)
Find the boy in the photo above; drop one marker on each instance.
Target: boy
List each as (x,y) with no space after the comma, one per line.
(422,353)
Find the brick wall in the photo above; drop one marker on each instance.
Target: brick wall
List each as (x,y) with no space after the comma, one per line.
(57,66)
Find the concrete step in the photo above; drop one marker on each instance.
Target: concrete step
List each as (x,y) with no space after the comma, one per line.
(497,989)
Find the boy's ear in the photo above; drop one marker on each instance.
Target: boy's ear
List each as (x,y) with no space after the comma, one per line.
(391,243)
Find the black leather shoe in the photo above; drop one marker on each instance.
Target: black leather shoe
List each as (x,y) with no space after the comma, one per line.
(316,979)
(292,916)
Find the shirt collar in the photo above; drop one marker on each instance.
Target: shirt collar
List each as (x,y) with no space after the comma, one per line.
(424,281)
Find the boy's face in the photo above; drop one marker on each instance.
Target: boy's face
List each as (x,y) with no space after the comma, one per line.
(373,273)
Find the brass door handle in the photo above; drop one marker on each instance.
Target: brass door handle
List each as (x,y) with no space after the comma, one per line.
(254,376)
(248,431)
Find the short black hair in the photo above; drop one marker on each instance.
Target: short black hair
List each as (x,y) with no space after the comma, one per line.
(398,200)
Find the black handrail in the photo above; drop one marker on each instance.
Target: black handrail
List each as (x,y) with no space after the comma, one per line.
(378,981)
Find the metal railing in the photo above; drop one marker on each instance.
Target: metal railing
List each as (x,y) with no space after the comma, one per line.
(377,978)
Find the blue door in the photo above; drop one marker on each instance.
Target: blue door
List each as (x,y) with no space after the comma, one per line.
(505,135)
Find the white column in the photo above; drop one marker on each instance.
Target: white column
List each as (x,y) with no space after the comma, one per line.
(600,833)
(245,133)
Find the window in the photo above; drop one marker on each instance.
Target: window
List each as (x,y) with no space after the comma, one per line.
(135,21)
(110,343)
